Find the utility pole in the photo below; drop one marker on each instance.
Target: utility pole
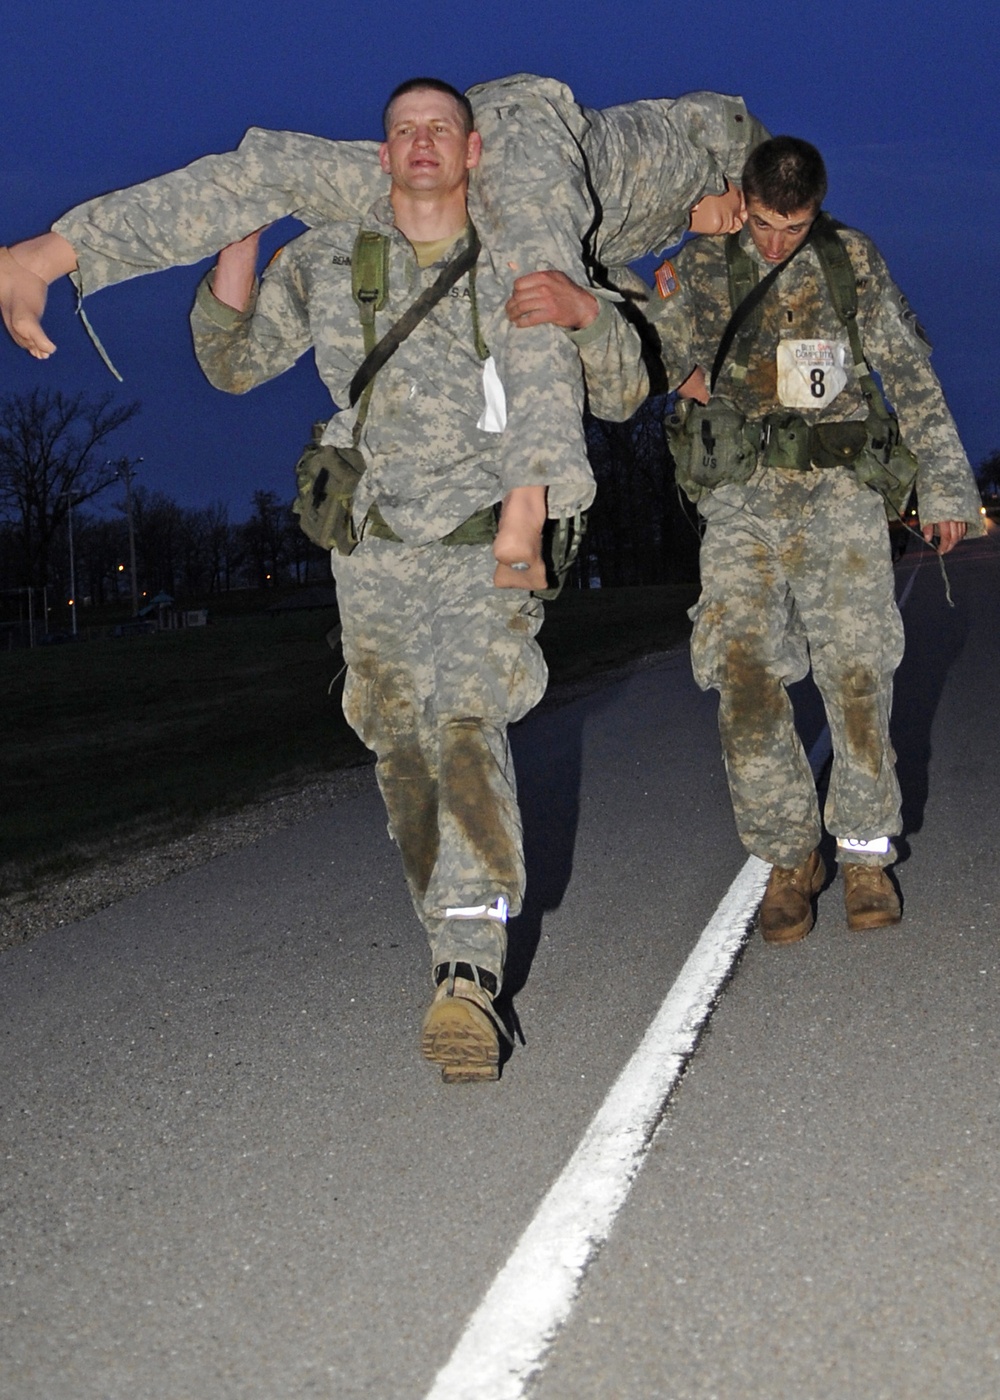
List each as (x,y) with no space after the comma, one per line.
(126,468)
(72,562)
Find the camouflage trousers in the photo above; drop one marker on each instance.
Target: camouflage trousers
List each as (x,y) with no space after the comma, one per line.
(796,570)
(439,664)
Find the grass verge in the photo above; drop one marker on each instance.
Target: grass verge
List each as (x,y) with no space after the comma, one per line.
(113,743)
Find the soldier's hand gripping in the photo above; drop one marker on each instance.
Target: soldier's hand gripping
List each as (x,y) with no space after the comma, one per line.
(949,533)
(551,298)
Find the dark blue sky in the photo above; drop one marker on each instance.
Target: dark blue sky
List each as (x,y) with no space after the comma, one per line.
(901,97)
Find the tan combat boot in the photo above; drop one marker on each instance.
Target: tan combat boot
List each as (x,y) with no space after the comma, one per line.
(461,1029)
(786,912)
(870,897)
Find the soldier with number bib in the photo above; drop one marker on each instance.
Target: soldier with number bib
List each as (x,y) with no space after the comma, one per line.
(793,456)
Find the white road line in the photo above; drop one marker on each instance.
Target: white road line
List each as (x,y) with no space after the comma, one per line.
(504,1343)
(507,1336)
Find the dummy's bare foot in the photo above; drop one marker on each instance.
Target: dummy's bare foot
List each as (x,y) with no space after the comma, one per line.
(22,302)
(518,544)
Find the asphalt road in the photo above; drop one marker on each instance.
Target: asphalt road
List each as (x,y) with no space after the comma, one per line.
(228,1174)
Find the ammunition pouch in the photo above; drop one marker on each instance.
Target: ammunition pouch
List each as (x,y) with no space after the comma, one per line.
(837,444)
(327,479)
(711,444)
(785,442)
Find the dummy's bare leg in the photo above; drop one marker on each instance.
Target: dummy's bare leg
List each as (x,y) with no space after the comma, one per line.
(518,544)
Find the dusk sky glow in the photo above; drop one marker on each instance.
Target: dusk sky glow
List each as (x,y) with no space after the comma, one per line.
(901,99)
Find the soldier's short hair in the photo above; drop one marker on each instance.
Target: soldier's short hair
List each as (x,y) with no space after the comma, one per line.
(435,85)
(785,174)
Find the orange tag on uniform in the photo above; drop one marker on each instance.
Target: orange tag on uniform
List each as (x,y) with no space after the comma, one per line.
(274,256)
(666,280)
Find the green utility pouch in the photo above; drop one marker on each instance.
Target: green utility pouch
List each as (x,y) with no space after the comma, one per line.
(837,444)
(711,444)
(327,479)
(785,442)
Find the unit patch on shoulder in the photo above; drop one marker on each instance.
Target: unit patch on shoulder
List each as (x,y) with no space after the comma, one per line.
(666,279)
(910,317)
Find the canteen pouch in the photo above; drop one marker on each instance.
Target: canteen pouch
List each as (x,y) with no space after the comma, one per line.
(711,445)
(888,466)
(327,479)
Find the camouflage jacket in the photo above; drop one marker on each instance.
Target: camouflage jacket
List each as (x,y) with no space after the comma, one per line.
(692,317)
(428,465)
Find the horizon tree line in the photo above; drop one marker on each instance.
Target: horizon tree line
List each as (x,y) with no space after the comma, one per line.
(54,466)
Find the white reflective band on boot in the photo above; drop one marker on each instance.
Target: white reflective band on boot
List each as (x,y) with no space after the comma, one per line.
(496,911)
(877,847)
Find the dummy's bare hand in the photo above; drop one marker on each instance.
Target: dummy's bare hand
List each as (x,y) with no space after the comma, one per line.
(26,271)
(949,533)
(694,387)
(22,304)
(541,298)
(236,271)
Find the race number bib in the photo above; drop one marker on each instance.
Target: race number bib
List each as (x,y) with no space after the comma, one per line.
(810,372)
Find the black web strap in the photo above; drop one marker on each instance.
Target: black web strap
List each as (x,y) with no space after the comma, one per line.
(411,318)
(747,306)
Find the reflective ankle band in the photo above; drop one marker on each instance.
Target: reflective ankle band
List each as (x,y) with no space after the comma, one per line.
(496,911)
(877,847)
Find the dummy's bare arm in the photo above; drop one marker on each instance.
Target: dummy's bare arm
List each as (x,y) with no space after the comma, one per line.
(26,270)
(236,272)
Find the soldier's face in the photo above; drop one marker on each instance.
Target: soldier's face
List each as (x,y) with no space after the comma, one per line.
(776,236)
(427,148)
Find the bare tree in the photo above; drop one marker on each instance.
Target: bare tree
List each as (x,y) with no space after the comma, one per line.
(51,458)
(265,536)
(159,536)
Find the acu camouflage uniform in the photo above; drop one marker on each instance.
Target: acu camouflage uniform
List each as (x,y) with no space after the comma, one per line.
(439,660)
(559,185)
(795,564)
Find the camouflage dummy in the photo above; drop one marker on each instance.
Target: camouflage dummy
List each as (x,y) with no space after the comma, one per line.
(533,201)
(795,563)
(440,661)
